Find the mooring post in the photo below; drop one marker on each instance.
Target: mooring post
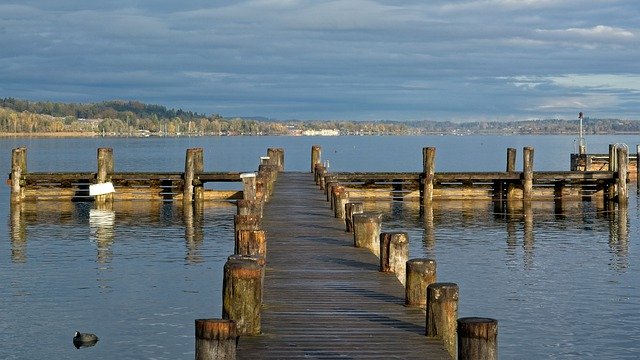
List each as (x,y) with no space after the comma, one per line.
(623,195)
(216,339)
(242,294)
(638,165)
(248,186)
(246,222)
(527,169)
(428,173)
(18,168)
(277,156)
(261,187)
(366,231)
(477,338)
(105,169)
(420,274)
(249,207)
(251,242)
(511,159)
(394,253)
(191,166)
(330,183)
(341,199)
(351,208)
(316,152)
(442,313)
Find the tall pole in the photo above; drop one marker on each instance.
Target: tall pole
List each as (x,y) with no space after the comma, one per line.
(582,147)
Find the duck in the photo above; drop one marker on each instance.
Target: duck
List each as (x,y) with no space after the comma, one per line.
(84,339)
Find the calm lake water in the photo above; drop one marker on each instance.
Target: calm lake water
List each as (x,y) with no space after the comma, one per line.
(561,284)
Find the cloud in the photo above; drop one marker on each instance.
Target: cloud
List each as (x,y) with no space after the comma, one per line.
(351,59)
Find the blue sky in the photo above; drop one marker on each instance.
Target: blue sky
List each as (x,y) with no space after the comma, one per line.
(330,60)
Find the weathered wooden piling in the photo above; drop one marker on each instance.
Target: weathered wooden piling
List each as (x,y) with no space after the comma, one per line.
(105,170)
(193,164)
(527,173)
(477,338)
(420,274)
(366,231)
(242,294)
(511,159)
(316,152)
(351,208)
(246,222)
(442,313)
(621,183)
(638,165)
(248,186)
(18,169)
(251,242)
(340,200)
(277,157)
(216,339)
(249,207)
(428,173)
(394,253)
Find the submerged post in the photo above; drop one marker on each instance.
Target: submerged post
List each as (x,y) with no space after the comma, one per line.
(394,253)
(442,313)
(420,274)
(18,168)
(527,169)
(105,169)
(477,338)
(366,231)
(316,151)
(242,294)
(215,339)
(428,173)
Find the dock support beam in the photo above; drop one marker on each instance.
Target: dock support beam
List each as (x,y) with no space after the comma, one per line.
(18,168)
(428,173)
(215,339)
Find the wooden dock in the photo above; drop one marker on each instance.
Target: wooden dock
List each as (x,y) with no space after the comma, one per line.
(324,298)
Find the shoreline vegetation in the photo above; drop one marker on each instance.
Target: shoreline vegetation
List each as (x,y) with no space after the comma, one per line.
(22,118)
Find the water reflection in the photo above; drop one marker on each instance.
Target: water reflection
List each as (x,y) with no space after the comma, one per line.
(104,220)
(516,221)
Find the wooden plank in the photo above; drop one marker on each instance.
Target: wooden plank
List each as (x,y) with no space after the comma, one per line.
(323,298)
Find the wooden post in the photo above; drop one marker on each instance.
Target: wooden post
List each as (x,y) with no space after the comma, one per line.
(351,208)
(216,339)
(638,164)
(316,152)
(477,338)
(277,156)
(394,253)
(18,168)
(428,173)
(248,186)
(322,171)
(329,187)
(242,294)
(366,231)
(511,159)
(105,169)
(341,199)
(420,274)
(251,242)
(246,222)
(442,313)
(249,207)
(623,194)
(189,175)
(261,187)
(527,169)
(198,167)
(613,164)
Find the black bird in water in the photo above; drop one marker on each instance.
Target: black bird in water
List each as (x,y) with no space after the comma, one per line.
(84,339)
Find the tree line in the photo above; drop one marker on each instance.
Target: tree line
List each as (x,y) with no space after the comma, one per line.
(124,118)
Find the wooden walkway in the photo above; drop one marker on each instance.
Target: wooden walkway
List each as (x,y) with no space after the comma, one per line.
(323,298)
